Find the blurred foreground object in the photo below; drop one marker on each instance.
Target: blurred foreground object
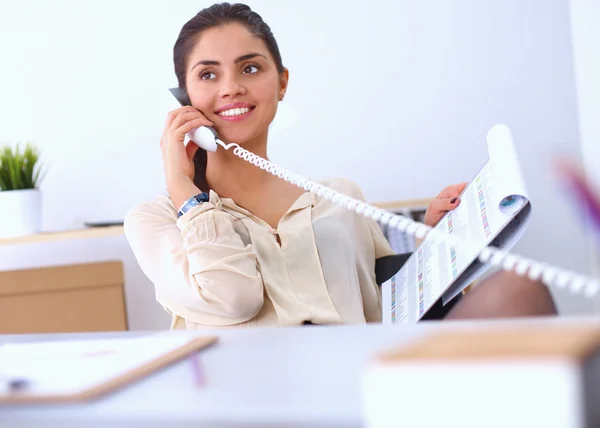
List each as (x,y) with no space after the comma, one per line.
(511,376)
(582,192)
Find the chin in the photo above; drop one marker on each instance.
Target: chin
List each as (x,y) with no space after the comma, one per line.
(241,136)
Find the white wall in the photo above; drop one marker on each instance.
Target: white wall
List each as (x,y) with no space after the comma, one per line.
(397,95)
(585,25)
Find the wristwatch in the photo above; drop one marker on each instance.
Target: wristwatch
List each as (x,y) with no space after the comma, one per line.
(192,202)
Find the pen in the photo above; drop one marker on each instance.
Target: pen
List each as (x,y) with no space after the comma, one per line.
(580,185)
(583,192)
(196,370)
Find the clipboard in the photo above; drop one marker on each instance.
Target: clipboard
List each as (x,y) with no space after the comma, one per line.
(97,367)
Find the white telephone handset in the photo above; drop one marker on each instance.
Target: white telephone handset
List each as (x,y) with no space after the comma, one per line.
(207,138)
(204,136)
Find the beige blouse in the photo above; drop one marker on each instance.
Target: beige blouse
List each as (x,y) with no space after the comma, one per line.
(218,265)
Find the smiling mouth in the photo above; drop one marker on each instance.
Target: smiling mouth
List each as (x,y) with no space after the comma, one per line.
(234,112)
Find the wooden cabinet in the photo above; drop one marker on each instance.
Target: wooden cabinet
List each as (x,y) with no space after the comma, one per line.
(76,298)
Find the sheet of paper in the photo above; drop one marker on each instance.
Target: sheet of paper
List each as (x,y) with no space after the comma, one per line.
(506,239)
(509,180)
(396,297)
(399,294)
(69,367)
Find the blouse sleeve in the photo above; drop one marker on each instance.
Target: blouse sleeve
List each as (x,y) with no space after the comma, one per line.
(382,245)
(201,269)
(376,246)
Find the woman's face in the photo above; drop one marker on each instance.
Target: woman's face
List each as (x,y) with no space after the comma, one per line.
(233,80)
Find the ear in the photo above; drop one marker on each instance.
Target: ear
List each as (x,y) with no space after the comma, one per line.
(283,83)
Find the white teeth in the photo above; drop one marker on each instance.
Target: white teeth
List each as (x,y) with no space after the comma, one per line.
(234,111)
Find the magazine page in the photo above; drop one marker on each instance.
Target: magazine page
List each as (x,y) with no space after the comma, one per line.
(505,204)
(494,208)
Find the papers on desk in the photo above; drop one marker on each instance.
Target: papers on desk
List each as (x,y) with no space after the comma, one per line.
(81,369)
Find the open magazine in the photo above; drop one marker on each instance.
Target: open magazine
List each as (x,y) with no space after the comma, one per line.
(494,211)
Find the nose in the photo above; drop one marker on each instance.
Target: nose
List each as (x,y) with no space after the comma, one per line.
(231,86)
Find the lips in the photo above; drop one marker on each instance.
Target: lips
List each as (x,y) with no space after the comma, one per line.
(235,110)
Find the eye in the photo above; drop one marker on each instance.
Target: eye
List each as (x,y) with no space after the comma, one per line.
(207,75)
(251,69)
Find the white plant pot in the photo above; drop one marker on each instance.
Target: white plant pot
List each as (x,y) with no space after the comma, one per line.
(20,212)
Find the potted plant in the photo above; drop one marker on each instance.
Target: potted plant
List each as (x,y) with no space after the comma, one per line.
(20,198)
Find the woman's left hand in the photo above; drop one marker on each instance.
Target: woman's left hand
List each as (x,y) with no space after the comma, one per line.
(446,201)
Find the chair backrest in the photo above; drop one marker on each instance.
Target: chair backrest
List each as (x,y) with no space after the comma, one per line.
(386,267)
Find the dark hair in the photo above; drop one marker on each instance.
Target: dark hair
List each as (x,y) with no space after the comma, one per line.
(215,16)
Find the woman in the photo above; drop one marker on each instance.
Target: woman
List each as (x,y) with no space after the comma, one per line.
(233,245)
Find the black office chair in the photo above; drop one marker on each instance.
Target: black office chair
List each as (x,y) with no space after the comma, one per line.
(386,267)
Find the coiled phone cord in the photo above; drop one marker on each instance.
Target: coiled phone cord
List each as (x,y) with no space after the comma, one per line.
(549,275)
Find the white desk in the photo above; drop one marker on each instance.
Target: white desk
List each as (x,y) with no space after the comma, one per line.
(275,377)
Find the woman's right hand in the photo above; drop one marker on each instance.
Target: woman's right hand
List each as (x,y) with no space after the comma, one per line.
(177,158)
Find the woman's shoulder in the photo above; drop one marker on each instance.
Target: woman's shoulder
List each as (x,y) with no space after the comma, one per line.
(345,186)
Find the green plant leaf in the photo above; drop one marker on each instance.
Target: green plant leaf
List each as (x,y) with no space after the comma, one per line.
(20,169)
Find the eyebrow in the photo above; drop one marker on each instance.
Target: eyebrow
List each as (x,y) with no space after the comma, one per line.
(236,61)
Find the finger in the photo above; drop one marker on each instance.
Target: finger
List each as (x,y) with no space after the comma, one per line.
(444,193)
(171,117)
(452,191)
(439,206)
(175,113)
(460,188)
(184,116)
(187,116)
(192,124)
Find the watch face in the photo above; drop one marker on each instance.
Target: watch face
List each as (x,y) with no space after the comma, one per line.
(194,201)
(191,204)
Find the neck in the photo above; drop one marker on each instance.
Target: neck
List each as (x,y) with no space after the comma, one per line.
(231,176)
